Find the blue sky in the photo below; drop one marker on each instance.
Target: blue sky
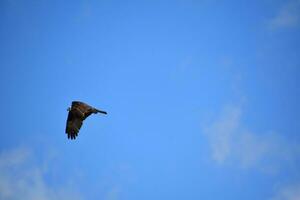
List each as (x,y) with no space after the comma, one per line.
(202,99)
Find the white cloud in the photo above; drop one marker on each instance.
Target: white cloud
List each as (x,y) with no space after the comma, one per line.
(289,192)
(13,157)
(220,134)
(232,143)
(288,16)
(22,178)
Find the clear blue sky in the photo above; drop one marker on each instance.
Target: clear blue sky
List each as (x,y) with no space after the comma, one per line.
(202,99)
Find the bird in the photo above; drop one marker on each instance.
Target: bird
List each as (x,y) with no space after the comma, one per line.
(78,112)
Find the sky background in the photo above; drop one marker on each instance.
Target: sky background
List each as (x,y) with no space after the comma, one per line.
(202,99)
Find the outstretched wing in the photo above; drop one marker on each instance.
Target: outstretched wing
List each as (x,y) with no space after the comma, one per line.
(74,124)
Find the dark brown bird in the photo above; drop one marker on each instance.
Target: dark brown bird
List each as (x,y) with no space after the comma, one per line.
(78,112)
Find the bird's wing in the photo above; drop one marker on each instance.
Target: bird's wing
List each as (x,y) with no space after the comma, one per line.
(73,125)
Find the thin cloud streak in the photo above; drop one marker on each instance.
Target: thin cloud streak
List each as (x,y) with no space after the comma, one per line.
(288,16)
(232,143)
(220,134)
(289,192)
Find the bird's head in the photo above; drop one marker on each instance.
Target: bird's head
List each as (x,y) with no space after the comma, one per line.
(69,108)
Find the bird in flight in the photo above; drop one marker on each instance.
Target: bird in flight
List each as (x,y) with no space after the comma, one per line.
(78,112)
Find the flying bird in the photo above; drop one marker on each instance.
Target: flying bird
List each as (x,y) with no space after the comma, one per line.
(78,112)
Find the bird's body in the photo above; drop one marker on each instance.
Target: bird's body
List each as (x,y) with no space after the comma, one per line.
(78,112)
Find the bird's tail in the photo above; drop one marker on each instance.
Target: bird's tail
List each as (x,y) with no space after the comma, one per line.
(100,111)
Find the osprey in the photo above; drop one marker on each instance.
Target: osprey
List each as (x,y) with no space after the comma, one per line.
(78,112)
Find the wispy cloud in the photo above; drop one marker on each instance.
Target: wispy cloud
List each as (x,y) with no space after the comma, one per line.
(23,178)
(113,193)
(289,192)
(288,16)
(220,134)
(232,142)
